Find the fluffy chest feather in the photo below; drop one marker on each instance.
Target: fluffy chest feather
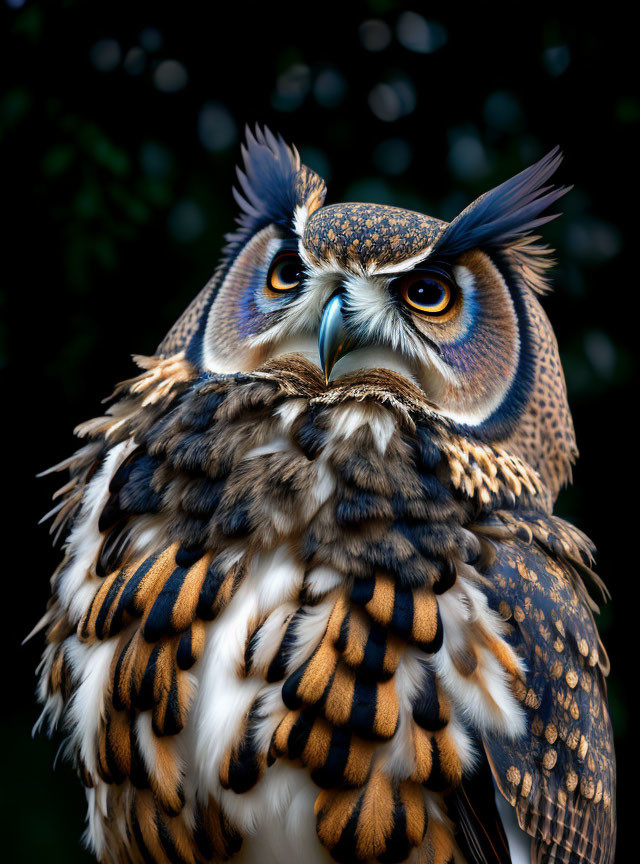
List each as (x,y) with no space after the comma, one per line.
(272,630)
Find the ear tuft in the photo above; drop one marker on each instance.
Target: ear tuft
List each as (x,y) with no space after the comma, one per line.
(508,212)
(270,182)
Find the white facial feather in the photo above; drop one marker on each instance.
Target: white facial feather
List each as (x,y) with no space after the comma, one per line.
(396,267)
(388,342)
(304,310)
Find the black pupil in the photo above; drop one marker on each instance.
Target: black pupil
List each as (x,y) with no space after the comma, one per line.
(290,271)
(426,292)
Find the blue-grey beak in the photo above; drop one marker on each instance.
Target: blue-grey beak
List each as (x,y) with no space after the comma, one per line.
(334,341)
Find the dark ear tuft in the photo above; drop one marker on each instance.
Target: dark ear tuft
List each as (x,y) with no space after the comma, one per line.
(507,212)
(268,183)
(271,186)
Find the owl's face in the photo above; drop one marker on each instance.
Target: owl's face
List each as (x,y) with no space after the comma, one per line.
(451,306)
(448,323)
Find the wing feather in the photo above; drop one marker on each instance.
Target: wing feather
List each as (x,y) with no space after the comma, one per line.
(561,776)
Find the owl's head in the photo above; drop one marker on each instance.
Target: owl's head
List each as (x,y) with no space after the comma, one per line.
(451,306)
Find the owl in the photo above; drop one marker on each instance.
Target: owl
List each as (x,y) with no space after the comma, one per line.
(314,603)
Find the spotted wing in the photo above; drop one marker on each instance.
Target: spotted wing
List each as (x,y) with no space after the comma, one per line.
(560,776)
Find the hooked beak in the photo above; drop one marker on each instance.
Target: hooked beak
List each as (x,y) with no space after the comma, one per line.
(333,339)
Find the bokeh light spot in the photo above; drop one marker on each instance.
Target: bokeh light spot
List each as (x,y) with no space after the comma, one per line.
(329,88)
(375,35)
(601,352)
(151,39)
(592,240)
(217,129)
(392,99)
(502,112)
(467,155)
(105,55)
(417,34)
(292,87)
(372,190)
(392,156)
(155,159)
(556,59)
(170,76)
(135,61)
(186,221)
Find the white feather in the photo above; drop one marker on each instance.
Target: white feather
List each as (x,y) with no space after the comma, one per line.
(289,411)
(277,577)
(348,418)
(285,831)
(321,580)
(398,754)
(309,629)
(91,664)
(224,697)
(94,834)
(269,636)
(77,585)
(491,707)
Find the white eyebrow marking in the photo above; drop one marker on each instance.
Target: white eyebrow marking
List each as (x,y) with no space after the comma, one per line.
(400,266)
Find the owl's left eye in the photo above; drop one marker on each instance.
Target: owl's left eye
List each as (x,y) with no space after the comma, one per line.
(429,292)
(285,273)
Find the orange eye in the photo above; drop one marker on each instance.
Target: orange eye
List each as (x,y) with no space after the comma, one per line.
(426,292)
(285,273)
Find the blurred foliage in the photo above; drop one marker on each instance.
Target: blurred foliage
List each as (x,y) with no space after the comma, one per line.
(120,126)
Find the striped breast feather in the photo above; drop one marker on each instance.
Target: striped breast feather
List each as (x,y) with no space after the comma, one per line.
(380,731)
(327,537)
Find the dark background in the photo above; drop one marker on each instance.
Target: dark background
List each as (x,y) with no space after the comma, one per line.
(120,126)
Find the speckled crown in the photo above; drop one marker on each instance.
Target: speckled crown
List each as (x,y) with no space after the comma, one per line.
(364,233)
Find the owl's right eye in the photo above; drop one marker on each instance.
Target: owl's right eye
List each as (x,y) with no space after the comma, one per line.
(285,273)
